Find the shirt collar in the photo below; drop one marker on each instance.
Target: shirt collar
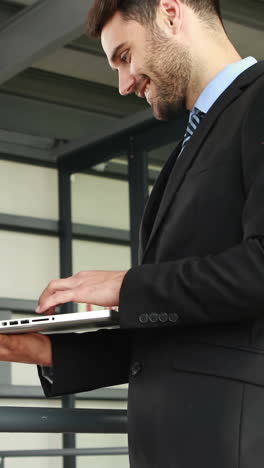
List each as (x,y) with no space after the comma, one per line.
(221,82)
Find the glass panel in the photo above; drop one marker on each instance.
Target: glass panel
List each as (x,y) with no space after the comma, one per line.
(100,201)
(28,190)
(28,263)
(98,256)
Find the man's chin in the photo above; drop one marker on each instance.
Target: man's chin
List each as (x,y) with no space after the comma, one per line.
(165,111)
(158,112)
(161,114)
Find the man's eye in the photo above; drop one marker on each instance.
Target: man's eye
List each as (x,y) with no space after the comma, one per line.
(125,57)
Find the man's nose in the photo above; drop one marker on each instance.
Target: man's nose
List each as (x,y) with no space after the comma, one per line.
(126,83)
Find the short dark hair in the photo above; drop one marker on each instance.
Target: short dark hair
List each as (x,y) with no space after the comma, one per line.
(143,11)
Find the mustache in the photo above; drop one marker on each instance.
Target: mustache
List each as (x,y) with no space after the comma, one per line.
(138,86)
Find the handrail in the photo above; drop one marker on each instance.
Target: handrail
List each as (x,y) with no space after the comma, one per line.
(64,452)
(61,420)
(70,452)
(32,392)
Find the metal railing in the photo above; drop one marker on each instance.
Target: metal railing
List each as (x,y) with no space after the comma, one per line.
(66,421)
(102,451)
(62,420)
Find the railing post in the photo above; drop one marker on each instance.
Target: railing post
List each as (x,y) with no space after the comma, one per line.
(65,271)
(69,439)
(2,462)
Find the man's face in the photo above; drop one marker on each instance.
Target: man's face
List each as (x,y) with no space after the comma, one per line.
(150,63)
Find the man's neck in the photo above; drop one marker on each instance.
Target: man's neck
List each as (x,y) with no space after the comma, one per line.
(212,60)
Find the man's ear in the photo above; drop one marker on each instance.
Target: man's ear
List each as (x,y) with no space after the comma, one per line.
(171,13)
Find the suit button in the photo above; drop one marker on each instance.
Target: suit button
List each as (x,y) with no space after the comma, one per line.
(173,317)
(135,368)
(153,317)
(163,317)
(144,318)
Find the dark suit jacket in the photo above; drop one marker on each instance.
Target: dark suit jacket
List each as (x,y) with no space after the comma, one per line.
(191,342)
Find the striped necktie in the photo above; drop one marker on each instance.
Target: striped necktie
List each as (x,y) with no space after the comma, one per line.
(195,118)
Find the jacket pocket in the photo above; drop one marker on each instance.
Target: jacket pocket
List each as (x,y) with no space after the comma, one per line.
(197,169)
(244,364)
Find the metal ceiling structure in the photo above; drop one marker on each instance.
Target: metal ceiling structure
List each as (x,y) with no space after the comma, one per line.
(32,24)
(56,86)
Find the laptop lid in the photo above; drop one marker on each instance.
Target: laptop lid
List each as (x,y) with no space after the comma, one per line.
(78,321)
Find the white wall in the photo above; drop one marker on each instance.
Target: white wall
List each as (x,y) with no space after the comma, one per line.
(29,262)
(28,190)
(100,201)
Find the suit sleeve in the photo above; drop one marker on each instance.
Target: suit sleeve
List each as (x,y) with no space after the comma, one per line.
(225,287)
(86,361)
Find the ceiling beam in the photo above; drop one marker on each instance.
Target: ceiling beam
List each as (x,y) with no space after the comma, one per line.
(35,117)
(72,92)
(44,27)
(48,25)
(84,153)
(26,155)
(26,148)
(87,45)
(7,10)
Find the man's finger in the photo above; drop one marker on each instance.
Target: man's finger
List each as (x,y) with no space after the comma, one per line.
(56,299)
(54,286)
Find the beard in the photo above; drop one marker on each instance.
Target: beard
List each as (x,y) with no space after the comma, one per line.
(169,66)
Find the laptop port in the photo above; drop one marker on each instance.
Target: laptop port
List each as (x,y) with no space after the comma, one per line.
(23,322)
(40,320)
(13,322)
(4,323)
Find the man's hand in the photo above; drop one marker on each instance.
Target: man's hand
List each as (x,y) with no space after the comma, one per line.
(30,348)
(92,287)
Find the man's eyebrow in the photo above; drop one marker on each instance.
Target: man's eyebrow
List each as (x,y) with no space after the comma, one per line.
(115,52)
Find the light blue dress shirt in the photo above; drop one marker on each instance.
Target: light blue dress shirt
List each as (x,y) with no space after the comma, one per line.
(221,82)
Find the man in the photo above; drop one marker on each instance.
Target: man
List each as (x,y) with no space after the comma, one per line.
(191,341)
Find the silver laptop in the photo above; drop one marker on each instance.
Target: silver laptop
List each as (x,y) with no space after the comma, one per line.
(78,321)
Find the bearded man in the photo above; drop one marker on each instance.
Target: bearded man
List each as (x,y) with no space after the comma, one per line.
(191,337)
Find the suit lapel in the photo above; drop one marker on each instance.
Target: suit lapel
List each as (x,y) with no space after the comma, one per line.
(175,169)
(155,198)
